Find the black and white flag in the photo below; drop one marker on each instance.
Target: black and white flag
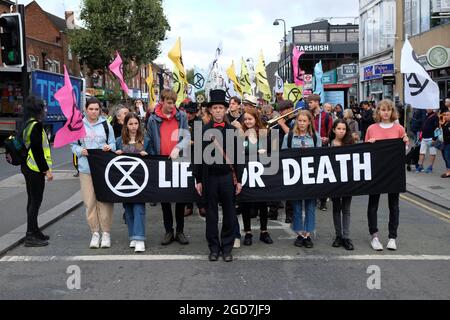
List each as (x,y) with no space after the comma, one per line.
(421,92)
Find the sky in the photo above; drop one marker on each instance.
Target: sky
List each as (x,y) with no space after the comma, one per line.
(244,27)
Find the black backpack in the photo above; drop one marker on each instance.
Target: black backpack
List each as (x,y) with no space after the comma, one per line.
(15,150)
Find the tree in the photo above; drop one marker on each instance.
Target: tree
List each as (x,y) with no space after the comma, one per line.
(135,28)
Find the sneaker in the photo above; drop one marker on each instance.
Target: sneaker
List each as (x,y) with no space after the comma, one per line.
(106,240)
(237,243)
(168,239)
(392,245)
(140,246)
(41,236)
(248,239)
(95,241)
(323,207)
(307,242)
(376,244)
(181,238)
(33,241)
(265,237)
(419,168)
(348,245)
(429,169)
(337,242)
(133,244)
(299,241)
(152,204)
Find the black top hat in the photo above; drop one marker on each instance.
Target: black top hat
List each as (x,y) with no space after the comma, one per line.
(191,107)
(217,97)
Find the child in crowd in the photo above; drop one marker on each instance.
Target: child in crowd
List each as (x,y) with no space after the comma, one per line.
(385,127)
(341,135)
(132,142)
(303,136)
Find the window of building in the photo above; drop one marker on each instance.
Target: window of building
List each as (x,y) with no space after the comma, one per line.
(69,53)
(301,36)
(56,66)
(420,16)
(319,36)
(34,61)
(352,35)
(337,35)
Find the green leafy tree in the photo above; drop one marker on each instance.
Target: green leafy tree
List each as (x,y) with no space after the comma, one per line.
(135,28)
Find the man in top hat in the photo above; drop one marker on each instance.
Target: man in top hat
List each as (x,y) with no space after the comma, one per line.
(219,181)
(191,109)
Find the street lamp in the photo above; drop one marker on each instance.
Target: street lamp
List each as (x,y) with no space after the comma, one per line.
(277,23)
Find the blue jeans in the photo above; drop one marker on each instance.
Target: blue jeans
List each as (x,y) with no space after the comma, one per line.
(135,217)
(310,215)
(446,154)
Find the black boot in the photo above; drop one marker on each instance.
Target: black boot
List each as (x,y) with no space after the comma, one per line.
(41,236)
(32,241)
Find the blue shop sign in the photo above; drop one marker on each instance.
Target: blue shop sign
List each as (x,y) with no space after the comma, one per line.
(377,71)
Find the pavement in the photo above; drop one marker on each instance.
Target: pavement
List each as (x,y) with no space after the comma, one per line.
(430,186)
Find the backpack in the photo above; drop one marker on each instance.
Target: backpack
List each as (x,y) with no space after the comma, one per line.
(15,150)
(291,135)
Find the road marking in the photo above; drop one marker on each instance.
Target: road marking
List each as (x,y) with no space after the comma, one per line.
(204,257)
(441,214)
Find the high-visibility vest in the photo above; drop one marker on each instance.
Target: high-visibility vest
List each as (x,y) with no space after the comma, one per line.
(31,163)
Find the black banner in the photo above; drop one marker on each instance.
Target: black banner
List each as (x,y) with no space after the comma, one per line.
(359,169)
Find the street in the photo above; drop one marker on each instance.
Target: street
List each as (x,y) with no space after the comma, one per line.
(274,272)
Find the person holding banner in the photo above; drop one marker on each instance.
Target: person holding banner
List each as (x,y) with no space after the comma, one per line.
(341,135)
(168,134)
(303,136)
(219,181)
(132,142)
(384,128)
(254,144)
(99,135)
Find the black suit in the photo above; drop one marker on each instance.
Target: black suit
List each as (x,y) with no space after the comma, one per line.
(218,187)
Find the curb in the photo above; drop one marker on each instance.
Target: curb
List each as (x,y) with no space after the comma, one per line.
(16,236)
(428,196)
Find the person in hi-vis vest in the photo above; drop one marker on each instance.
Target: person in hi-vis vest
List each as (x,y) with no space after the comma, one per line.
(36,168)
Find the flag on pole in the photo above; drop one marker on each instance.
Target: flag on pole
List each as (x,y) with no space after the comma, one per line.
(117,69)
(279,85)
(318,81)
(293,92)
(177,59)
(216,78)
(298,77)
(73,130)
(261,78)
(178,86)
(245,79)
(151,90)
(231,73)
(199,79)
(421,91)
(191,92)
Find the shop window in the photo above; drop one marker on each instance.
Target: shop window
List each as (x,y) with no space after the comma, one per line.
(318,36)
(337,35)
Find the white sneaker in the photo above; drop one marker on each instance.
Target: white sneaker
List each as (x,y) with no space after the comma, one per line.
(376,244)
(95,241)
(237,243)
(391,245)
(133,244)
(106,240)
(140,246)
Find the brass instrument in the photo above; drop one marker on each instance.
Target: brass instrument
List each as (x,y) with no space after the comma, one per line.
(274,122)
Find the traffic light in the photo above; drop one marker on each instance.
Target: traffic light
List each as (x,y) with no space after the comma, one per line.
(11,39)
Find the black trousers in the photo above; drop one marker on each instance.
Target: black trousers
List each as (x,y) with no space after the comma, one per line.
(260,207)
(168,217)
(394,213)
(220,188)
(35,182)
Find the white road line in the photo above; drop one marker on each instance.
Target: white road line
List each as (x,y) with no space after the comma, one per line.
(204,257)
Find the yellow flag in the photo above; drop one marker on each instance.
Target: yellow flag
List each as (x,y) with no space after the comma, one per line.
(261,78)
(232,76)
(178,86)
(151,90)
(293,92)
(245,79)
(175,56)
